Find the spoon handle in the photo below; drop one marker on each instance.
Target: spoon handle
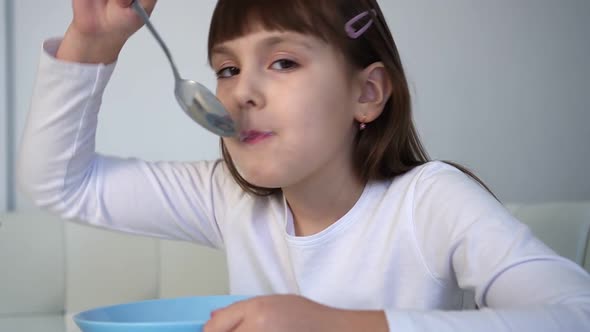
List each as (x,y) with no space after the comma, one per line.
(146,19)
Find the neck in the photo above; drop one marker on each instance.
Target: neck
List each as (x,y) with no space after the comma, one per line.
(322,199)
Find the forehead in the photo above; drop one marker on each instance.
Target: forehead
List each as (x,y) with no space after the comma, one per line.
(260,38)
(235,18)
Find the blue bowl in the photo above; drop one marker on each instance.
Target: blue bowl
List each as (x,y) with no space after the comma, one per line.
(164,315)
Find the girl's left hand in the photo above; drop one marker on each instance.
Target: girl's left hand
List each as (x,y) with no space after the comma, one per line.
(286,313)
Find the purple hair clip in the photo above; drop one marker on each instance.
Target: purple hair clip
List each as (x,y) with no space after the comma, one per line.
(351,31)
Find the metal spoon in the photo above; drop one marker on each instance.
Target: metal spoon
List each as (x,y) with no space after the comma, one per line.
(198,102)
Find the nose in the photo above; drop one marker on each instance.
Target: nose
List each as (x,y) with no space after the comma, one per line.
(247,91)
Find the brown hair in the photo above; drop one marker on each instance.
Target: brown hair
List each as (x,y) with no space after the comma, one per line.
(390,145)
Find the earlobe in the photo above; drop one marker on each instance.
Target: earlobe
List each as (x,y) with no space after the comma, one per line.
(375,91)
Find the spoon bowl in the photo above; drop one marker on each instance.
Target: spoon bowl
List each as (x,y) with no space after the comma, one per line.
(198,102)
(203,107)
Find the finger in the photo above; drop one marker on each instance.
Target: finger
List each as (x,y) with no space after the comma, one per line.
(227,319)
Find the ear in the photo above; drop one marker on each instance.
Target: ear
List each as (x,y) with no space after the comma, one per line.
(375,92)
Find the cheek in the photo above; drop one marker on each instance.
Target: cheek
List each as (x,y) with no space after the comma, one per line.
(223,95)
(329,114)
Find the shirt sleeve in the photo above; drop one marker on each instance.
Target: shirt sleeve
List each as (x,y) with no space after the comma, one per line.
(59,169)
(468,238)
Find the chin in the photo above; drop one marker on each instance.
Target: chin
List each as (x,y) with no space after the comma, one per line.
(263,177)
(262,180)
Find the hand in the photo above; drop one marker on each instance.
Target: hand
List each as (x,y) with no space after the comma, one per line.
(99,29)
(115,18)
(291,313)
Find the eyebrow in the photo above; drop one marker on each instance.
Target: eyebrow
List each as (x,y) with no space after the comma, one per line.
(266,43)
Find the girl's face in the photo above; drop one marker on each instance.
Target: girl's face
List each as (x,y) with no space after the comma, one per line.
(293,99)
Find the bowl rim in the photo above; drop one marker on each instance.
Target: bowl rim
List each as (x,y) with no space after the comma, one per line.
(78,319)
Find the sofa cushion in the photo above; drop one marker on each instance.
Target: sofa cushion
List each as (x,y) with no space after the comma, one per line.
(105,267)
(565,227)
(187,269)
(33,323)
(32,260)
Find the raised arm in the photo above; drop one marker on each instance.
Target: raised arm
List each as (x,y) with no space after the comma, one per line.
(59,169)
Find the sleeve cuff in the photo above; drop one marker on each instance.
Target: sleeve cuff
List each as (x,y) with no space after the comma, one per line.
(49,63)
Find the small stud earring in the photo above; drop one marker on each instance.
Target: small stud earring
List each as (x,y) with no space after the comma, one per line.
(362,126)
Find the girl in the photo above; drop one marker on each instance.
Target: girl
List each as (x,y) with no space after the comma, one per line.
(326,204)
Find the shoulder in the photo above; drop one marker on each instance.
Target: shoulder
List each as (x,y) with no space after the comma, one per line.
(210,177)
(225,186)
(434,188)
(443,176)
(436,170)
(432,174)
(444,195)
(219,175)
(440,189)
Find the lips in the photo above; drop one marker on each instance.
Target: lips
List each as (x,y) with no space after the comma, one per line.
(254,136)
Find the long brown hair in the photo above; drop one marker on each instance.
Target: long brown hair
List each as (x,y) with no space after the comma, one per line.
(390,145)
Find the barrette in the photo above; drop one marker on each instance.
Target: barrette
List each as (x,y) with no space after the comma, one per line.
(351,31)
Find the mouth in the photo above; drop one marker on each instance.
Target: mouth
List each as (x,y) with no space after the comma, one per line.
(254,136)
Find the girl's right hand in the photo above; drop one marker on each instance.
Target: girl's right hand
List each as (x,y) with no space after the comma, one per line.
(99,30)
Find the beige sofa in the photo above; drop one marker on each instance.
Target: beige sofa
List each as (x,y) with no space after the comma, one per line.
(52,269)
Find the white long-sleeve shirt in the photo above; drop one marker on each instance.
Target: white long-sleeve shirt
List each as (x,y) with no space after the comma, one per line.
(409,246)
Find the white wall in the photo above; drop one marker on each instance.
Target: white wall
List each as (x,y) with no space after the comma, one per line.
(501,87)
(2,109)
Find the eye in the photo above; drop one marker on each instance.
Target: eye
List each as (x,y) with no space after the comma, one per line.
(284,64)
(227,72)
